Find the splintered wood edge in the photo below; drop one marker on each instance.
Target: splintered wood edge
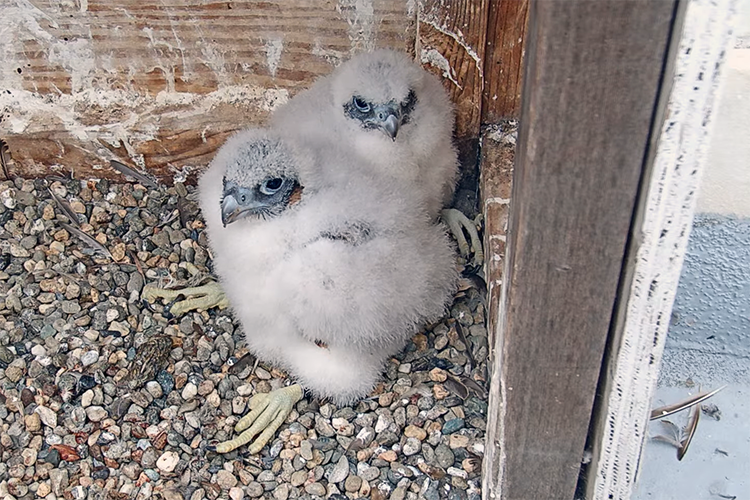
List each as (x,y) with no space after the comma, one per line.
(498,150)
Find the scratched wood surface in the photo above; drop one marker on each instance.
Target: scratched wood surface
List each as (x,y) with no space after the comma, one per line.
(503,59)
(451,44)
(163,84)
(592,81)
(496,166)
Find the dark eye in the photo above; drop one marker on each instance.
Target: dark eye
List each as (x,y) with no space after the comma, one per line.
(361,104)
(271,186)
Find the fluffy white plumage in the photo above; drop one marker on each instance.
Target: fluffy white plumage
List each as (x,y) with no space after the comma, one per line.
(349,265)
(413,147)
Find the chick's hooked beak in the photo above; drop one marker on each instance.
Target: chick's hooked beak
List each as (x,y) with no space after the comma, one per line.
(390,126)
(238,202)
(388,119)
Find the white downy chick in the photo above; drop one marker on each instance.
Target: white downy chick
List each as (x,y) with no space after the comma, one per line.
(327,279)
(396,117)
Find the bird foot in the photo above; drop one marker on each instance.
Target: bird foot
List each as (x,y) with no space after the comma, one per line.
(458,223)
(267,412)
(200,297)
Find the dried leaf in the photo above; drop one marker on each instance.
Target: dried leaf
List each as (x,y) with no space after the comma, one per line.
(472,280)
(65,207)
(473,386)
(245,361)
(150,358)
(456,387)
(125,170)
(67,453)
(434,472)
(663,411)
(88,240)
(422,389)
(692,426)
(5,159)
(212,490)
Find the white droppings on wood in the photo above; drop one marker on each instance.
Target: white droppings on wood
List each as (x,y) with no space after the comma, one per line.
(77,57)
(360,15)
(20,23)
(28,112)
(273,48)
(497,200)
(411,8)
(430,19)
(437,60)
(333,57)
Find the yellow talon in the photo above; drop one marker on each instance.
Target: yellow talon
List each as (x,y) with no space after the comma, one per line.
(267,413)
(200,297)
(457,222)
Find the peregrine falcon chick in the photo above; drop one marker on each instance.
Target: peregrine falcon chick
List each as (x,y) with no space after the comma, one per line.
(327,280)
(397,118)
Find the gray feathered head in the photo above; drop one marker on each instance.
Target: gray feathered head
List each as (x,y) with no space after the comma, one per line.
(261,176)
(378,90)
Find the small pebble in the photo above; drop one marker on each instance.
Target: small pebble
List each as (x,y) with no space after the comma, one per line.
(168,461)
(316,489)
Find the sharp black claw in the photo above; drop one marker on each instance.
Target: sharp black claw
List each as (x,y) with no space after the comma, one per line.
(211,447)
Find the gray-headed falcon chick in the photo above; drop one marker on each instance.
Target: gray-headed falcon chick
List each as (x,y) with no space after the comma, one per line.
(327,279)
(397,119)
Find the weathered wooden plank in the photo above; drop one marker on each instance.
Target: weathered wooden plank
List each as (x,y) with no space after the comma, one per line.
(663,221)
(451,39)
(503,65)
(591,83)
(496,167)
(162,84)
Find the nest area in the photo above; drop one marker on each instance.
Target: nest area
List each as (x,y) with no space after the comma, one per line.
(72,322)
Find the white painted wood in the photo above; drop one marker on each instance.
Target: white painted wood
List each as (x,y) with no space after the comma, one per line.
(661,232)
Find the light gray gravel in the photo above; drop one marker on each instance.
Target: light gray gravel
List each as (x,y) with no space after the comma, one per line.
(71,320)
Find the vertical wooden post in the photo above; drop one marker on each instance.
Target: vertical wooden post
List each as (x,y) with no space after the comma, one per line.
(661,229)
(592,79)
(503,60)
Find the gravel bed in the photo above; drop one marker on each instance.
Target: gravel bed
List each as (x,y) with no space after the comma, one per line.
(71,321)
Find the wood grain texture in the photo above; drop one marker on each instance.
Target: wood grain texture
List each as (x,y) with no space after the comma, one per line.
(496,167)
(163,84)
(702,37)
(503,60)
(591,85)
(451,43)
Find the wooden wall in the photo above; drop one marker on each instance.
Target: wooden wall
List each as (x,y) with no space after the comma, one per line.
(161,85)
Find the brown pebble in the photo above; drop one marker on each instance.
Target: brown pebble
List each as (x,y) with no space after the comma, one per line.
(118,252)
(420,340)
(438,375)
(440,392)
(33,422)
(27,397)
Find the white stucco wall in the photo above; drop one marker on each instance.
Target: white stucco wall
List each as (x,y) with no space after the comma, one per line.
(725,187)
